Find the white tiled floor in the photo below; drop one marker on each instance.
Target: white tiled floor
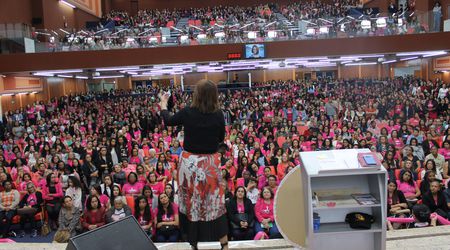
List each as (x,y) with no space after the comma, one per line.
(437,238)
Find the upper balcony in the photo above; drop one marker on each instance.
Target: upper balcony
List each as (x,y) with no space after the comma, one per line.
(263,23)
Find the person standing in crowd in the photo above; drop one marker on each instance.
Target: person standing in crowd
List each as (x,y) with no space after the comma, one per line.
(437,15)
(9,200)
(52,193)
(199,173)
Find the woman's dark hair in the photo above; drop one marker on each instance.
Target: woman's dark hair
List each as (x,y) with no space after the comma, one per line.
(26,174)
(49,179)
(205,97)
(160,172)
(434,165)
(272,176)
(172,194)
(161,209)
(135,176)
(97,188)
(66,197)
(105,191)
(395,193)
(76,183)
(262,192)
(137,210)
(145,188)
(235,192)
(411,180)
(421,212)
(89,200)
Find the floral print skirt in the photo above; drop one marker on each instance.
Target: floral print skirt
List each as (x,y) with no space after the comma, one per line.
(201,198)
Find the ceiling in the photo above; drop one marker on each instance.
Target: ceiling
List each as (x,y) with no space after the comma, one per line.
(236,65)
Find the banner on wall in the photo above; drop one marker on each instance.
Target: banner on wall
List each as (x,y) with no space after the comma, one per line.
(442,63)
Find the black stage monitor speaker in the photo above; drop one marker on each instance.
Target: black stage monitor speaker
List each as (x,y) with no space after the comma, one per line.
(123,234)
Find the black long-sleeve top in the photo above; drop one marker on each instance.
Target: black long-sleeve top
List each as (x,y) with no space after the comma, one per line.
(202,132)
(429,201)
(232,211)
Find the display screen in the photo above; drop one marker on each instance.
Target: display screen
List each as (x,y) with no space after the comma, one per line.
(255,51)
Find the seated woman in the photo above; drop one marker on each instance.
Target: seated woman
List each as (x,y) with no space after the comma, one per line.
(421,218)
(118,211)
(435,200)
(143,214)
(119,175)
(273,183)
(263,180)
(162,174)
(396,201)
(429,177)
(156,186)
(69,217)
(74,191)
(132,187)
(148,194)
(173,196)
(408,186)
(431,165)
(95,190)
(252,190)
(241,215)
(265,220)
(166,220)
(29,206)
(94,215)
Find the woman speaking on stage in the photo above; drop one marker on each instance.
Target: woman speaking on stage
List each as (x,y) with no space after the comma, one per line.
(201,193)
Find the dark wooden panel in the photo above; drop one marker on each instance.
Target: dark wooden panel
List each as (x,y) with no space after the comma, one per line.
(204,53)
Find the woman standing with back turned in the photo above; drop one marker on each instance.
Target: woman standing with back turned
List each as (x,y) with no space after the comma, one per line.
(201,193)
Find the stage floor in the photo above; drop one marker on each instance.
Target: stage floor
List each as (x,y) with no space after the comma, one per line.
(437,238)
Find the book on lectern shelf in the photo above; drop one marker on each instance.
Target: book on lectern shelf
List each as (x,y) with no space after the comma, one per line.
(365,199)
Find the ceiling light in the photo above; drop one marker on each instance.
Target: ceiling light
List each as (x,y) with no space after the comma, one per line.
(106,77)
(390,61)
(409,58)
(9,94)
(361,64)
(68,4)
(117,68)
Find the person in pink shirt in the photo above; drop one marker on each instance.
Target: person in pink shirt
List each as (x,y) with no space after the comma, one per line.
(408,186)
(141,175)
(162,175)
(263,180)
(265,220)
(132,187)
(52,193)
(157,187)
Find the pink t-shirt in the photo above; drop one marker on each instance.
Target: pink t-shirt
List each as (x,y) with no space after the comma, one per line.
(445,153)
(168,218)
(406,188)
(132,189)
(157,188)
(240,208)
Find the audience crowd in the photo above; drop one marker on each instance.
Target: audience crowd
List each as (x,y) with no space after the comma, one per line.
(149,28)
(92,159)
